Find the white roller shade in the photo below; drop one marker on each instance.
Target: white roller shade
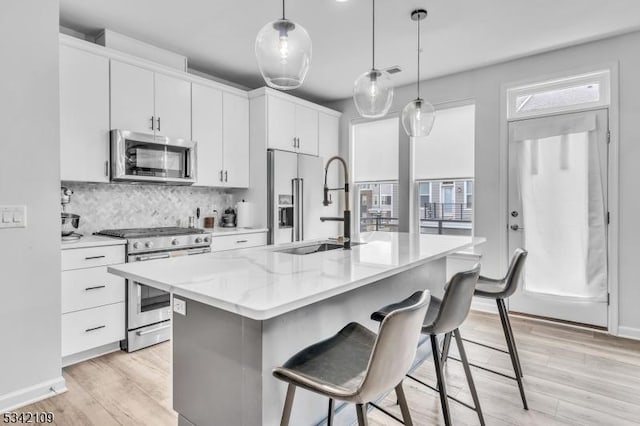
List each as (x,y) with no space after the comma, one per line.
(375,151)
(448,151)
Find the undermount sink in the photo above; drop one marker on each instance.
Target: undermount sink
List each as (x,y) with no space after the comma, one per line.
(314,248)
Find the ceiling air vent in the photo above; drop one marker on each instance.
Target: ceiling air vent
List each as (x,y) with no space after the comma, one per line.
(394,69)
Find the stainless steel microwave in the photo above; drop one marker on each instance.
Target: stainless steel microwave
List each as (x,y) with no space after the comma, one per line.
(141,157)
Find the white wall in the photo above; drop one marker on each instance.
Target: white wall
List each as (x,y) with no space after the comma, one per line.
(483,85)
(29,175)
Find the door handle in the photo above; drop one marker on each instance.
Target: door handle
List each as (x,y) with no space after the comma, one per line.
(226,175)
(221,173)
(516,228)
(153,330)
(151,122)
(158,121)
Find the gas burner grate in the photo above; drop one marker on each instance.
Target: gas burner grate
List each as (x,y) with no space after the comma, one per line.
(150,232)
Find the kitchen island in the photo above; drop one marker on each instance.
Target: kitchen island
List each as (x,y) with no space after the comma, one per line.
(247,311)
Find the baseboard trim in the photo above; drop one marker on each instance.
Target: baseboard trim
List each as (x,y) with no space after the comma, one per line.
(31,394)
(91,353)
(484,305)
(629,332)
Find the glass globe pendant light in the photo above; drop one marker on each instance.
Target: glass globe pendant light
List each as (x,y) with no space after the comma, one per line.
(373,90)
(283,52)
(418,115)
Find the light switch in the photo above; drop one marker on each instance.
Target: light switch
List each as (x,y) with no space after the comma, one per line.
(13,216)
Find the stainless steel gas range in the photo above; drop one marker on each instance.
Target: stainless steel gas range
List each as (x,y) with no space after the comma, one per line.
(149,309)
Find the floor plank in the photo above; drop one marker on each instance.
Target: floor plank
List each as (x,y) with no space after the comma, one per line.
(572,377)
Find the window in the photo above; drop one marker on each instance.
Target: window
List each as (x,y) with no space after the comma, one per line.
(444,207)
(566,94)
(378,209)
(375,173)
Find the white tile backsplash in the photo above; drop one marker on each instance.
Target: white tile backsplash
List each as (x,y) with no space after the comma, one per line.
(108,206)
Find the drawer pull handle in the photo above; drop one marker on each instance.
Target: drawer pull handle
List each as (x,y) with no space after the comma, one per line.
(95,287)
(95,328)
(94,257)
(242,241)
(153,330)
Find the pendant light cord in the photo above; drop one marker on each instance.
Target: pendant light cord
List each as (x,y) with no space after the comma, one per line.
(418,80)
(373,37)
(283,18)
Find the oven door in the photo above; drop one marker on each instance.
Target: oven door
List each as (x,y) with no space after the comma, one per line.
(149,158)
(147,305)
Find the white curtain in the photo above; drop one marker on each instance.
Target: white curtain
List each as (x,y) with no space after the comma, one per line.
(562,186)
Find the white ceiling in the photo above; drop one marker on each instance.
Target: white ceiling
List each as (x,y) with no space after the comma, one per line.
(218,36)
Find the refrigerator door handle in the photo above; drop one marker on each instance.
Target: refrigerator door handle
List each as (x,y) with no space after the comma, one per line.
(301,205)
(296,225)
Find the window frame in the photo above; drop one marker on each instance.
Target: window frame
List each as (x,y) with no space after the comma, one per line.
(601,77)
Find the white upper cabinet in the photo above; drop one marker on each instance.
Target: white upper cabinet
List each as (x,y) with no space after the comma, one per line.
(172,107)
(84,116)
(132,103)
(307,130)
(149,102)
(235,130)
(281,125)
(220,125)
(291,127)
(207,133)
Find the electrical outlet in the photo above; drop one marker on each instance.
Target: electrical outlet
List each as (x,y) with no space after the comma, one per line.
(179,306)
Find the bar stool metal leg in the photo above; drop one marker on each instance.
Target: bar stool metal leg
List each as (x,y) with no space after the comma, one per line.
(404,407)
(514,360)
(331,412)
(445,347)
(442,388)
(361,411)
(288,404)
(503,311)
(467,372)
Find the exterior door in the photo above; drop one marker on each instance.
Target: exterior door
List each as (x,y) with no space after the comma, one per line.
(447,201)
(558,213)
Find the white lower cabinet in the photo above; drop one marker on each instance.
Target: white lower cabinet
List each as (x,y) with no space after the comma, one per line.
(92,328)
(233,242)
(93,302)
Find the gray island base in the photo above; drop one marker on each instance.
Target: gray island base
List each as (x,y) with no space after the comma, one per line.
(222,361)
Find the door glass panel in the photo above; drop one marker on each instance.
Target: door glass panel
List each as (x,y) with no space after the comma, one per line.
(152,299)
(560,184)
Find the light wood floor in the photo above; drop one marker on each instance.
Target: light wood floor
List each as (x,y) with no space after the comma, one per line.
(572,377)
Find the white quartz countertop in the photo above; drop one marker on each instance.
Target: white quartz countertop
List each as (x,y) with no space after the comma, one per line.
(92,241)
(219,231)
(262,283)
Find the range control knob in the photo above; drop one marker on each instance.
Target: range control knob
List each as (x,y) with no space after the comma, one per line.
(175,242)
(149,244)
(207,239)
(136,245)
(198,240)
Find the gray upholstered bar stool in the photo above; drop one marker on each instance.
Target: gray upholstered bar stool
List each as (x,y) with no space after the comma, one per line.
(500,289)
(445,316)
(356,365)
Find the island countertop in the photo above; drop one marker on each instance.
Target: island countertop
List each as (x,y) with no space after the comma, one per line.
(262,283)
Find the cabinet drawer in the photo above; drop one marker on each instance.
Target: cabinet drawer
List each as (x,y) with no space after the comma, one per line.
(92,256)
(92,328)
(232,242)
(89,288)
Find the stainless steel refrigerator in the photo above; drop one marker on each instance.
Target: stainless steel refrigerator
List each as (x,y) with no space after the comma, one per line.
(295,197)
